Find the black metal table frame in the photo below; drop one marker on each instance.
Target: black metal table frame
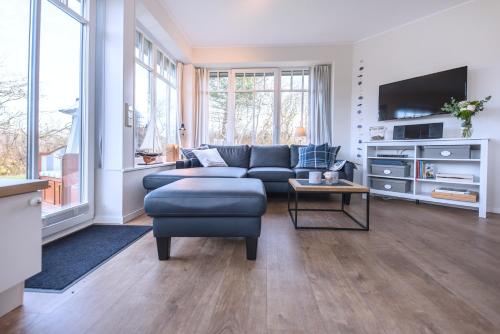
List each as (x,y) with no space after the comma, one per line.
(294,212)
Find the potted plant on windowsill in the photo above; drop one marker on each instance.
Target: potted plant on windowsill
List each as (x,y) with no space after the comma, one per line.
(464,110)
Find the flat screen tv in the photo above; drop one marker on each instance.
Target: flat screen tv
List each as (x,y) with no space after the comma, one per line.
(421,96)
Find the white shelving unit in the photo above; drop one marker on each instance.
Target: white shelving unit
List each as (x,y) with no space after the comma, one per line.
(421,189)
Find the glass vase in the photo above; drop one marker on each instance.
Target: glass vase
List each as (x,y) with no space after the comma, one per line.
(466,128)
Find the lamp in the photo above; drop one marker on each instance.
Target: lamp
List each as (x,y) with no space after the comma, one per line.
(300,131)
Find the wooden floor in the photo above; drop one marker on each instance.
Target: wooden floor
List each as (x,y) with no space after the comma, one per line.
(421,269)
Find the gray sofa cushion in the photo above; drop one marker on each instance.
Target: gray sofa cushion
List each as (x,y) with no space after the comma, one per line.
(208,197)
(294,154)
(156,180)
(270,156)
(234,156)
(267,174)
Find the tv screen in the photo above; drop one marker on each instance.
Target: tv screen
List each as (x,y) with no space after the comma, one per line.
(421,96)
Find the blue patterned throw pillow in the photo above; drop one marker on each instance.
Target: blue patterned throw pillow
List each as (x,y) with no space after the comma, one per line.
(314,156)
(332,155)
(188,154)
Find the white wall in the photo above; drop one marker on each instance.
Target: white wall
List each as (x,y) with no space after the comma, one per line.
(118,184)
(340,56)
(466,35)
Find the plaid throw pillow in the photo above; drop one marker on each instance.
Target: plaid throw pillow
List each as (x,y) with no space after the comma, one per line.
(314,156)
(332,155)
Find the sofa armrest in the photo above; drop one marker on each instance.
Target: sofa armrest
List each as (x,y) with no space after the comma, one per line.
(348,170)
(181,164)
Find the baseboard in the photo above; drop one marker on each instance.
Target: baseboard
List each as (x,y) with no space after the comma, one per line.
(132,215)
(119,219)
(494,210)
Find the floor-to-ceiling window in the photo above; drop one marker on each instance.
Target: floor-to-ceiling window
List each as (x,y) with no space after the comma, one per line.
(60,107)
(294,106)
(257,106)
(14,58)
(44,102)
(155,95)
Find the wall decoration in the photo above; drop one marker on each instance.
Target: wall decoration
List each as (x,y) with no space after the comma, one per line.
(359,75)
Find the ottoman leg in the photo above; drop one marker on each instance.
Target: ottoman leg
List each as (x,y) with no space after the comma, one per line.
(251,248)
(163,246)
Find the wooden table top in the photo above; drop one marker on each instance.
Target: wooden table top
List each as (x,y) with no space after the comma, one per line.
(12,187)
(344,186)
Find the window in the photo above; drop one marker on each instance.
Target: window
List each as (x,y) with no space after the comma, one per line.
(44,103)
(156,102)
(218,107)
(294,104)
(243,106)
(14,57)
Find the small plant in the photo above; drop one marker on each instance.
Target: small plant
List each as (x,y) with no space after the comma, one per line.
(464,110)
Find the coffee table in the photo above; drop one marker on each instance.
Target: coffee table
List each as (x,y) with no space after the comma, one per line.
(301,186)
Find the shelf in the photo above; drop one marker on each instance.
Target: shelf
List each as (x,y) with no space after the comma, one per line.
(429,198)
(422,197)
(409,195)
(392,177)
(449,182)
(451,160)
(394,158)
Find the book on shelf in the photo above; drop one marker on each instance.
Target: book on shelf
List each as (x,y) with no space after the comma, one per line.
(456,178)
(425,170)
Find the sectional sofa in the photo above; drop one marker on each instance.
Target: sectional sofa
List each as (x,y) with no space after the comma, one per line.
(273,165)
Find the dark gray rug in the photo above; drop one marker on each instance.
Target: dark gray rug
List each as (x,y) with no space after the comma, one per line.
(66,260)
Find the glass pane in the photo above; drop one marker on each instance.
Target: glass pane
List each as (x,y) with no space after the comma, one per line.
(240,77)
(147,52)
(159,62)
(269,81)
(76,5)
(164,70)
(138,44)
(291,104)
(173,78)
(286,77)
(243,128)
(306,80)
(297,80)
(248,83)
(223,80)
(172,117)
(217,118)
(212,81)
(162,107)
(264,104)
(142,97)
(259,81)
(14,51)
(60,108)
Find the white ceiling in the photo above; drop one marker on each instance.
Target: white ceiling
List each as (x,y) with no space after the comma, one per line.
(207,23)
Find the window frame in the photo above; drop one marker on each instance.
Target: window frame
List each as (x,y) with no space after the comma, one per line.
(84,211)
(231,91)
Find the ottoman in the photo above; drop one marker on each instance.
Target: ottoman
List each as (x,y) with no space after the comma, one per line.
(207,207)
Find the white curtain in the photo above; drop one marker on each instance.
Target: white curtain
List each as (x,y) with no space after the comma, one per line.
(320,111)
(200,110)
(180,105)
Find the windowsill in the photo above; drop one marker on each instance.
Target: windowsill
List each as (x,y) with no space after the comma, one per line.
(140,167)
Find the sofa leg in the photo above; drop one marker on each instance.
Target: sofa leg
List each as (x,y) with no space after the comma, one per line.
(163,246)
(251,247)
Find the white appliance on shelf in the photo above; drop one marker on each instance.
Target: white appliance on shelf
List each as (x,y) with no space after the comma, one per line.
(417,186)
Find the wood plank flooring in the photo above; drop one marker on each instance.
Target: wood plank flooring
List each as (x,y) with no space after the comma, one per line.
(421,269)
